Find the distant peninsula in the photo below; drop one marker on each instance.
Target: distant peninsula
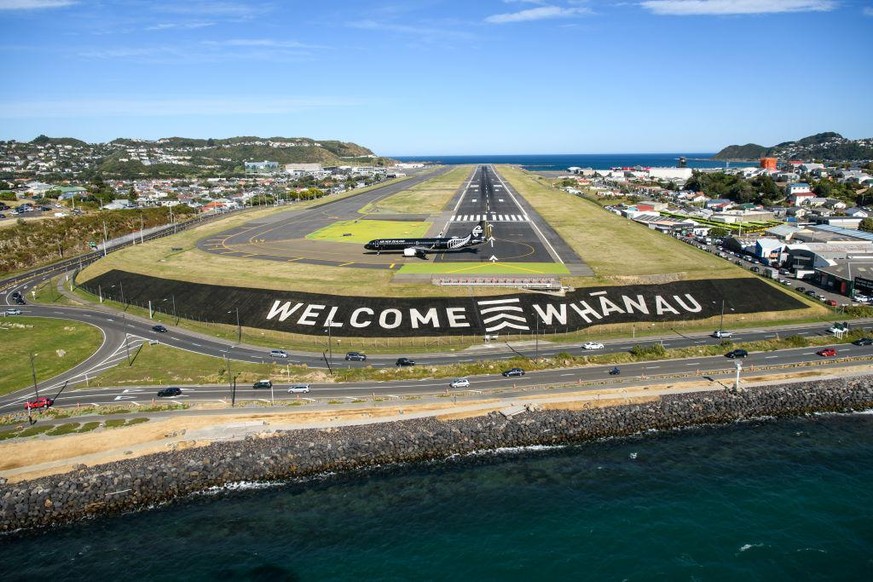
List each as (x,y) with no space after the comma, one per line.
(828,146)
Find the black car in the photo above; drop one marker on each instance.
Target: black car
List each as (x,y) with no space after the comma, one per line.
(263,384)
(513,372)
(167,392)
(404,362)
(159,328)
(16,294)
(864,341)
(356,357)
(738,353)
(20,301)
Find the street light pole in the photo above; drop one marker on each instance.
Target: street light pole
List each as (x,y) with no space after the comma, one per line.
(33,371)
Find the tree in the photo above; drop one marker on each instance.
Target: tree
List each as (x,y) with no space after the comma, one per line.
(132,194)
(866,225)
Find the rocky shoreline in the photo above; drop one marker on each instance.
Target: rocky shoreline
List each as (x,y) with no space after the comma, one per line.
(142,482)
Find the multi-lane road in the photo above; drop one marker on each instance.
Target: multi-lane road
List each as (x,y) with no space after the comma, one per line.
(123,334)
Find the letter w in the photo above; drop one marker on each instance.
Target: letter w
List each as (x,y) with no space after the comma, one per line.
(551,311)
(282,310)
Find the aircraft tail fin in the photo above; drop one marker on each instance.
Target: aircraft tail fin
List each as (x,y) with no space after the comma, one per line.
(481,232)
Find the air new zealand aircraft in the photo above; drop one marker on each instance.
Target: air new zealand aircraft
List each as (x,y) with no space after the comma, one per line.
(419,247)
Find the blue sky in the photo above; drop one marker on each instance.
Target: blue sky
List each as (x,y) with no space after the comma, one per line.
(439,77)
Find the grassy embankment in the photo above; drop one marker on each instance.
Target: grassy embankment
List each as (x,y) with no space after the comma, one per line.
(70,343)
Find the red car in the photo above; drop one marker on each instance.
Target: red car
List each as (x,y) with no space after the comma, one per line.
(827,353)
(41,402)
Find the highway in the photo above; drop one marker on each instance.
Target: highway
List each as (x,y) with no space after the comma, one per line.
(123,334)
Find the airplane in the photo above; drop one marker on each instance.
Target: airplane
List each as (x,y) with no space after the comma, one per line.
(419,247)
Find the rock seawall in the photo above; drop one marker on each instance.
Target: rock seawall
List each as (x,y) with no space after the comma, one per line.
(138,483)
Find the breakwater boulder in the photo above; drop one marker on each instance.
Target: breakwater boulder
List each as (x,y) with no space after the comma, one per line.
(141,482)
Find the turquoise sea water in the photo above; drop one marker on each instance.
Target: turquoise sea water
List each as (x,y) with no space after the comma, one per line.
(766,500)
(560,162)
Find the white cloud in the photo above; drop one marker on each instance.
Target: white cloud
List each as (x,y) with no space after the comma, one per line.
(423,33)
(730,7)
(34,4)
(243,105)
(540,13)
(180,26)
(868,11)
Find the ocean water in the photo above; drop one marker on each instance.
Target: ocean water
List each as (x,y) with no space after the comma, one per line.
(560,162)
(764,500)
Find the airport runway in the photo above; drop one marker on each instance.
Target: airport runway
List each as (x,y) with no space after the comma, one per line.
(520,235)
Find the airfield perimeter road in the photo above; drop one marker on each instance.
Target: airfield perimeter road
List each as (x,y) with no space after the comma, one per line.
(520,234)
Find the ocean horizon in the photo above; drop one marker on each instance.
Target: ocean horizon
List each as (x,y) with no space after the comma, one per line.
(560,162)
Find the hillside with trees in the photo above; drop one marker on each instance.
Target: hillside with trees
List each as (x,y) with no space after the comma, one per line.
(826,147)
(30,242)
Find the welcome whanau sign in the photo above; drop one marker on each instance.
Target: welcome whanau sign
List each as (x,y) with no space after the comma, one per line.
(517,313)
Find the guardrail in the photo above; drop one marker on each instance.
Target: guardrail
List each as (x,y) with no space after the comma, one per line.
(549,283)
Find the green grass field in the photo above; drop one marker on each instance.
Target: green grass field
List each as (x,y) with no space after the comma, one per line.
(363,231)
(164,366)
(70,343)
(532,269)
(427,197)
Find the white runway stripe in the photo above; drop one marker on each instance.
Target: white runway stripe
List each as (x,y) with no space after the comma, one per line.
(491,218)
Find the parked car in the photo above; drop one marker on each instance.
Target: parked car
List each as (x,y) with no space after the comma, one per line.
(459,383)
(831,302)
(592,346)
(356,357)
(827,352)
(159,328)
(738,353)
(811,293)
(513,372)
(169,392)
(262,384)
(404,362)
(278,354)
(41,402)
(864,341)
(720,333)
(299,389)
(13,311)
(801,289)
